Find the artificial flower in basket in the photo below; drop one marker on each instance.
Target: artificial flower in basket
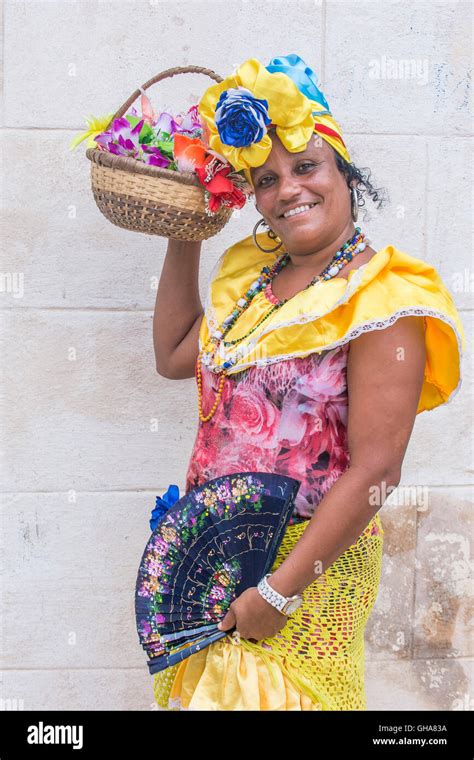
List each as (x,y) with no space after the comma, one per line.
(156,173)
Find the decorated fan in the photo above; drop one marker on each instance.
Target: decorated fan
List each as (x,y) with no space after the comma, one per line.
(212,544)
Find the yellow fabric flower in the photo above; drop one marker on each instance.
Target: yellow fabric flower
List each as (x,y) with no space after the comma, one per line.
(288,109)
(96,125)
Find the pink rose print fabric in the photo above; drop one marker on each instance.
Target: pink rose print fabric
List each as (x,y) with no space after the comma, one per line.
(289,417)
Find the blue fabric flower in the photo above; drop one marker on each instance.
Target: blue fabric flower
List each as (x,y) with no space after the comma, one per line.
(241,119)
(163,503)
(302,75)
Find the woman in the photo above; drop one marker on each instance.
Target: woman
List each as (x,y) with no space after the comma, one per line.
(318,378)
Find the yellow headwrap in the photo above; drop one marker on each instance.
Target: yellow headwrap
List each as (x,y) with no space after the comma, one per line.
(284,94)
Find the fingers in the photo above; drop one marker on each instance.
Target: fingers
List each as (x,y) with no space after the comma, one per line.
(228,621)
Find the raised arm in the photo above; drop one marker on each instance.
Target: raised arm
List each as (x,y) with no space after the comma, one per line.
(178,311)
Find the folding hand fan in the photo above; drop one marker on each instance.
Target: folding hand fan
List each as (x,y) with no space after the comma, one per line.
(212,544)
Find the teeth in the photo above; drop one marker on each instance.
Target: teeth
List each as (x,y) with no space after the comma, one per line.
(298,210)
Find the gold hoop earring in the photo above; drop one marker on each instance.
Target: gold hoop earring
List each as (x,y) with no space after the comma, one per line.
(270,234)
(354,203)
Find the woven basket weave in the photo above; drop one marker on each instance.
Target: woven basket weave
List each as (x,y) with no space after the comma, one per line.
(152,199)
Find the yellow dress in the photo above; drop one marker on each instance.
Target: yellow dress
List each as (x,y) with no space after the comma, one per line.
(281,375)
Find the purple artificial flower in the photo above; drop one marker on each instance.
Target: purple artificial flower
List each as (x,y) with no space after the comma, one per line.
(153,156)
(187,123)
(121,138)
(165,123)
(191,121)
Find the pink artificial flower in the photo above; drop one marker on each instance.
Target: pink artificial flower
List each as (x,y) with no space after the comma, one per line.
(149,115)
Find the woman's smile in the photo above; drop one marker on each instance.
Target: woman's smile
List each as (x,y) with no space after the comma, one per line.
(300,214)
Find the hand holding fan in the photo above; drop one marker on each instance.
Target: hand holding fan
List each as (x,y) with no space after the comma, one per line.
(210,546)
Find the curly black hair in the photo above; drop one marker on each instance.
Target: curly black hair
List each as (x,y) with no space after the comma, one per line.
(351,172)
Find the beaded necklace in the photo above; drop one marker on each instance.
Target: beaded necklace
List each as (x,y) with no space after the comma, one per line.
(346,253)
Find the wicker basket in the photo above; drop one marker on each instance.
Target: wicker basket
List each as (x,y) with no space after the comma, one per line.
(151,199)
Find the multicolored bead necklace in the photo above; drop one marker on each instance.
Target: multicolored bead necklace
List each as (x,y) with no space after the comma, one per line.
(346,253)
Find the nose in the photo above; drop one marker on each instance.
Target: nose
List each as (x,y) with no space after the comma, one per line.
(289,191)
(289,186)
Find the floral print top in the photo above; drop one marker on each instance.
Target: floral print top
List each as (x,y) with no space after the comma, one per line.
(288,417)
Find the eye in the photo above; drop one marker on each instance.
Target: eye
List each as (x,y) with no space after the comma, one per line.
(300,166)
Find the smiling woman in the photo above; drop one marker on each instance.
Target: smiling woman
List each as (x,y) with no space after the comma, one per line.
(316,353)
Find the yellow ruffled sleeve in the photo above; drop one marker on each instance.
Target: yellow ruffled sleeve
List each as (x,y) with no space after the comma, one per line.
(409,286)
(393,284)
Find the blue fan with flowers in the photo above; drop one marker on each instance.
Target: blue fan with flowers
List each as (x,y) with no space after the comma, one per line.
(206,549)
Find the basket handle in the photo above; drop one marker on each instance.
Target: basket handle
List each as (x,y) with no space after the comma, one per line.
(164,75)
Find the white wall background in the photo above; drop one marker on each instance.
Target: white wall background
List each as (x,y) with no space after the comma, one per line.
(91,433)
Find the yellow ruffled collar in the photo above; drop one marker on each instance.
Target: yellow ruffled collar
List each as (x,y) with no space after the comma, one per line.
(333,312)
(241,264)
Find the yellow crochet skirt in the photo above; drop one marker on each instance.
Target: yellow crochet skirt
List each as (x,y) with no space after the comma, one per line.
(316,662)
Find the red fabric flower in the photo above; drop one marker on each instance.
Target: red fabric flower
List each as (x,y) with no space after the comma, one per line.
(223,192)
